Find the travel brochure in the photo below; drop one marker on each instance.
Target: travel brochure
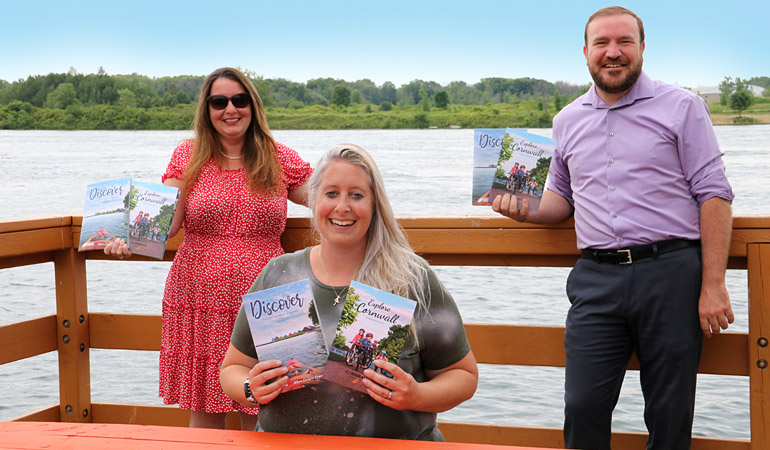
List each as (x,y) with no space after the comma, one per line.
(110,207)
(511,161)
(374,325)
(285,326)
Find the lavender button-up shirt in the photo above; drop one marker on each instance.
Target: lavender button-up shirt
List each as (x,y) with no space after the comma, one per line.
(637,171)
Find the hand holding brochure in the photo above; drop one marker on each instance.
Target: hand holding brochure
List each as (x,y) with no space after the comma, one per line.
(521,168)
(139,213)
(374,325)
(284,325)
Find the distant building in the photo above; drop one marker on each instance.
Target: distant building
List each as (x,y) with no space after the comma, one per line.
(711,94)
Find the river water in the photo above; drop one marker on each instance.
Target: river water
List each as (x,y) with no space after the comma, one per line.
(426,172)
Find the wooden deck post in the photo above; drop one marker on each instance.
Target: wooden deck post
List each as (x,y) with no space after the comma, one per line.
(758,256)
(72,336)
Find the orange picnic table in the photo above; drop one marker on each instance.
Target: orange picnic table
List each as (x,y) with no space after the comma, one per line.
(79,436)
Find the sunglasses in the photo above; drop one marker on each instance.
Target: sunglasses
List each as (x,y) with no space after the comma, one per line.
(221,101)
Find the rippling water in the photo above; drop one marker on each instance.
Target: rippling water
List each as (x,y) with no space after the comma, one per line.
(426,172)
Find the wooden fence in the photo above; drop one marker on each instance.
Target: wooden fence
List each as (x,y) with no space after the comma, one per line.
(452,240)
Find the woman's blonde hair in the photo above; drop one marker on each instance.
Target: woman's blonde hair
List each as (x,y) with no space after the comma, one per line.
(260,157)
(389,263)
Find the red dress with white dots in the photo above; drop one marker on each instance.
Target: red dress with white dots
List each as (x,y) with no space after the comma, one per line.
(229,235)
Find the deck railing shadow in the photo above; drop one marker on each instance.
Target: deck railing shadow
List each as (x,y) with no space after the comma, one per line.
(450,240)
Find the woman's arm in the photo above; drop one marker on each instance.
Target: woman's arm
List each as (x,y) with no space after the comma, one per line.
(445,388)
(298,195)
(236,367)
(176,222)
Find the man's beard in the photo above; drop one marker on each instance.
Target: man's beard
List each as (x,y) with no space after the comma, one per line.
(624,84)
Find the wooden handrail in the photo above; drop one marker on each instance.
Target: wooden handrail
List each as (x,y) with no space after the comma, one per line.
(460,240)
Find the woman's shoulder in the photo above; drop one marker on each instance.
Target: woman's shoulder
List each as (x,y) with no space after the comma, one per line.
(284,269)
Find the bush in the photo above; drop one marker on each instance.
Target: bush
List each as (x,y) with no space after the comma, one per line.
(740,120)
(386,106)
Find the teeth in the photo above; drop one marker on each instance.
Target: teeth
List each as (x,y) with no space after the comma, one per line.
(343,223)
(613,66)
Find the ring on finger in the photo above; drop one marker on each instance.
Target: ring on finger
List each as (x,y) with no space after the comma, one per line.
(390,394)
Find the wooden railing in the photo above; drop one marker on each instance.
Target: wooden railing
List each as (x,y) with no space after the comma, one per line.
(488,241)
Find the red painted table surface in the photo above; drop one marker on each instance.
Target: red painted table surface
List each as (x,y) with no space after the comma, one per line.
(79,436)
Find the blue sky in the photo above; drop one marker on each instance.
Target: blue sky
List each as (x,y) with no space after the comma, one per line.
(689,43)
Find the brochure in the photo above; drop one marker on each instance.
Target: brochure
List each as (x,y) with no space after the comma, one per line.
(374,325)
(140,213)
(284,325)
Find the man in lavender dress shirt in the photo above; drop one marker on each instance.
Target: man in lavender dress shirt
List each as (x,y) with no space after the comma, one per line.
(638,164)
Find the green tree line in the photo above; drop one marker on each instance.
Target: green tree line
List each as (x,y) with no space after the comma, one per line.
(101,101)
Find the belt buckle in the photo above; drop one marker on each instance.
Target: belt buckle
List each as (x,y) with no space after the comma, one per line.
(628,254)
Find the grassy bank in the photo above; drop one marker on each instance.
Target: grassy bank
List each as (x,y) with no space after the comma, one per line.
(521,114)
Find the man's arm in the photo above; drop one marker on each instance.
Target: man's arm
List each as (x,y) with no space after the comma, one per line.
(553,208)
(716,229)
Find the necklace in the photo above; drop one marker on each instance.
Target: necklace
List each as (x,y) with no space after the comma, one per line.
(230,157)
(336,299)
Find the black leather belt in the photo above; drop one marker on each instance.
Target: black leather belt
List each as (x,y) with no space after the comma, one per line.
(629,255)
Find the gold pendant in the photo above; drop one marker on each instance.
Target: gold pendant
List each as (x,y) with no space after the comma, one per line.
(336,301)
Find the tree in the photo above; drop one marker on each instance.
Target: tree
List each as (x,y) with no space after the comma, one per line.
(424,99)
(741,101)
(126,98)
(388,92)
(356,97)
(393,344)
(441,99)
(61,97)
(726,89)
(340,96)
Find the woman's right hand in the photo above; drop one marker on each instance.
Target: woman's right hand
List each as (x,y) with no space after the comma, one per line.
(263,372)
(117,249)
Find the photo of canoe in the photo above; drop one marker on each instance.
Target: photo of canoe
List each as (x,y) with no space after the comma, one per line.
(97,240)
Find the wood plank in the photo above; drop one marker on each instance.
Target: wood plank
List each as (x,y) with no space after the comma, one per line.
(46,414)
(27,339)
(35,223)
(125,331)
(77,436)
(757,345)
(73,340)
(25,260)
(34,241)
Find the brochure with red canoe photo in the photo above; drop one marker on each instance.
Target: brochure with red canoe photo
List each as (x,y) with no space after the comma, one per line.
(374,325)
(140,213)
(284,325)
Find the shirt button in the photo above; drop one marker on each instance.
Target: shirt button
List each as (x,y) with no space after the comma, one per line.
(614,215)
(612,160)
(612,133)
(612,188)
(620,239)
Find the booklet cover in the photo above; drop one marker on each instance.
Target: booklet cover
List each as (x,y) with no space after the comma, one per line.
(374,324)
(522,167)
(487,143)
(284,325)
(105,216)
(152,210)
(139,213)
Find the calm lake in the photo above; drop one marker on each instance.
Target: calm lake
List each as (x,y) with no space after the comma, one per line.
(426,172)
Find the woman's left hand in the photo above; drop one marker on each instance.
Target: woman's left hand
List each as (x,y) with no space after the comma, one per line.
(396,392)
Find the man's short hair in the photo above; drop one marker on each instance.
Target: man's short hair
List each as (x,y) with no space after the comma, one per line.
(614,11)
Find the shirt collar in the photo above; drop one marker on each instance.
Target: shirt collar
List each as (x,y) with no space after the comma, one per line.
(643,88)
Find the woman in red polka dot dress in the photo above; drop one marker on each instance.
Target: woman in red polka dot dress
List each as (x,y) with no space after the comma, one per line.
(234,181)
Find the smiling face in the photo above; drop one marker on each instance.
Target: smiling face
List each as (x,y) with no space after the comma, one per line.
(613,54)
(231,123)
(343,206)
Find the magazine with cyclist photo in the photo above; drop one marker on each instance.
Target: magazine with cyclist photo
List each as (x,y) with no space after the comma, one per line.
(284,326)
(373,325)
(522,167)
(139,213)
